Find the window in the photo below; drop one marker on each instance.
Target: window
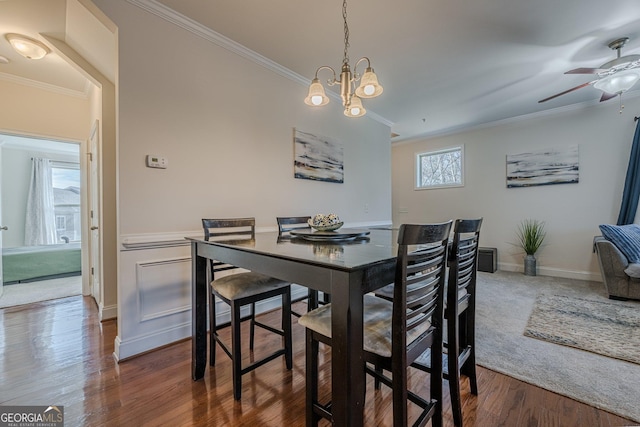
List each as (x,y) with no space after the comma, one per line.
(66,196)
(438,169)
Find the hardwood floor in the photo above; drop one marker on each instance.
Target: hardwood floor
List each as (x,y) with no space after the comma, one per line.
(57,353)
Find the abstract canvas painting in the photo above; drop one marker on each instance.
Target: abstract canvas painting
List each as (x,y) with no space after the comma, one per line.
(543,167)
(318,158)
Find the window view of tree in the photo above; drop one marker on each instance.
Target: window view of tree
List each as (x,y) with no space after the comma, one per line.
(66,196)
(440,169)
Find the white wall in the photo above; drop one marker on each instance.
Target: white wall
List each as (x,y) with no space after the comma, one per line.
(226,126)
(572,212)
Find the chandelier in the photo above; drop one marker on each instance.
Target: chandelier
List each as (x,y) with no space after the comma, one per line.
(351,96)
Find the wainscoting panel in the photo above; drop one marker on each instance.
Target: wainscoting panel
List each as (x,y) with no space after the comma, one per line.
(154,295)
(163,287)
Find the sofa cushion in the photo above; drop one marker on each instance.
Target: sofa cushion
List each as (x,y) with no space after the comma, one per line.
(626,238)
(633,270)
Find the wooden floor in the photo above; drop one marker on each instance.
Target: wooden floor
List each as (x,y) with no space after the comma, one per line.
(57,353)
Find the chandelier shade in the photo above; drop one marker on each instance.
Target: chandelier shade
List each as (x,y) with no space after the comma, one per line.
(316,96)
(351,97)
(369,86)
(355,108)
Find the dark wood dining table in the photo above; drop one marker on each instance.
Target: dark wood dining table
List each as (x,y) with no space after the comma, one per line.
(345,269)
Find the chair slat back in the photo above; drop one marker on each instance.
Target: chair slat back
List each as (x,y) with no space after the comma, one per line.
(419,284)
(463,261)
(289,223)
(227,229)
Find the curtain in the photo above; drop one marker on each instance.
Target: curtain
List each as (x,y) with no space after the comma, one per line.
(40,224)
(631,193)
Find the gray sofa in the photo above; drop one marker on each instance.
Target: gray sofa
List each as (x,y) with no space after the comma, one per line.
(613,264)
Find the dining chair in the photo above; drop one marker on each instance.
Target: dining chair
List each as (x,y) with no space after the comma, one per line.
(287,224)
(239,290)
(459,313)
(395,332)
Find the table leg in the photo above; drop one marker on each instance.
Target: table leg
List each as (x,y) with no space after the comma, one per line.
(199,296)
(348,375)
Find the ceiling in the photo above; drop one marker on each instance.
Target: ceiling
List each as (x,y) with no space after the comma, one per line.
(445,66)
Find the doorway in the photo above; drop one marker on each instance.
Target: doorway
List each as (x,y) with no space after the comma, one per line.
(41,208)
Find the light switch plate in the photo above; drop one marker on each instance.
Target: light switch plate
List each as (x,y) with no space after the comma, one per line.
(157,161)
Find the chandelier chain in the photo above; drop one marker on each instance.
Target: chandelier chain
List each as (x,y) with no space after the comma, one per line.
(345,59)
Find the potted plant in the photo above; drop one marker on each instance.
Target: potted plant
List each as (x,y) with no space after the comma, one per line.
(531,234)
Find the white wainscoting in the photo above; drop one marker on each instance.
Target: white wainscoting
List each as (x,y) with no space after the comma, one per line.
(154,294)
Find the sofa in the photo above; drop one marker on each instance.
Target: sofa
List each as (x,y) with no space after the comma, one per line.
(615,269)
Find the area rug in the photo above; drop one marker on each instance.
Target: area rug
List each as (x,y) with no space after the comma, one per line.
(43,290)
(601,327)
(505,301)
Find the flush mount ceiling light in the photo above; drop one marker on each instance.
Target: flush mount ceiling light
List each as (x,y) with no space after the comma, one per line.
(26,46)
(351,97)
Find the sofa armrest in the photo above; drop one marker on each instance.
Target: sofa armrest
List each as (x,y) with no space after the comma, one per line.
(612,261)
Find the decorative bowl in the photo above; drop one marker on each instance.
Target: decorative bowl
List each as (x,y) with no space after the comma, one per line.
(322,222)
(331,227)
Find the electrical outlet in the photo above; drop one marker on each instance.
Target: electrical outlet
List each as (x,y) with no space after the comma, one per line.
(157,162)
(366,208)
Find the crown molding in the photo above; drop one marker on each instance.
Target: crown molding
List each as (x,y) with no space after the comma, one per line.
(510,120)
(224,42)
(45,86)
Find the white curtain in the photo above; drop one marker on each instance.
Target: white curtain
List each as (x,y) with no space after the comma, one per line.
(40,225)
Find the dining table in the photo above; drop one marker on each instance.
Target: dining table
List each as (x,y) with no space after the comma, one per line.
(346,269)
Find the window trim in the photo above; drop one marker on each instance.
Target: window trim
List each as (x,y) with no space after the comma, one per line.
(417,169)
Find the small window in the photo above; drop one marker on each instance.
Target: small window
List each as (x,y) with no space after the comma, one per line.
(438,169)
(61,223)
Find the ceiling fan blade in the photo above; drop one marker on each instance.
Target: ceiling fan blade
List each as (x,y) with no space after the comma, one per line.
(585,71)
(566,91)
(606,96)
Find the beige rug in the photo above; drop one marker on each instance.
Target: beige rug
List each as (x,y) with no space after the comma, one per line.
(504,304)
(606,328)
(27,293)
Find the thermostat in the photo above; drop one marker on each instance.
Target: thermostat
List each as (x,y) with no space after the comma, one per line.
(157,162)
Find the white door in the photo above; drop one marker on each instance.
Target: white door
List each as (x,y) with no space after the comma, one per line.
(94,216)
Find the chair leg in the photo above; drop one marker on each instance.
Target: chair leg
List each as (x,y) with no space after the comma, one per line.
(311,378)
(212,329)
(469,367)
(376,381)
(454,368)
(286,328)
(252,325)
(399,393)
(312,300)
(236,355)
(435,378)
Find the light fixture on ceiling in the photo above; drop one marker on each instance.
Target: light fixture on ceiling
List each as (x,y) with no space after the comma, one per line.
(618,83)
(26,46)
(351,96)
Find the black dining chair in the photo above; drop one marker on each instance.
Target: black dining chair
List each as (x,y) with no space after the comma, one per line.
(239,290)
(460,313)
(395,332)
(286,224)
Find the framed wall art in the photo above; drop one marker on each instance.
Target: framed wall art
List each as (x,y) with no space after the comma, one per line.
(317,158)
(543,167)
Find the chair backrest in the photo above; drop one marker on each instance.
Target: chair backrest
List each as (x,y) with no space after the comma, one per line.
(289,223)
(419,287)
(233,229)
(463,263)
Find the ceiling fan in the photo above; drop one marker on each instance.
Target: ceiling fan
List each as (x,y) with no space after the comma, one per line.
(614,77)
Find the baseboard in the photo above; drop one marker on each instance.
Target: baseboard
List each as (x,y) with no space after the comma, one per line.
(108,312)
(553,272)
(143,344)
